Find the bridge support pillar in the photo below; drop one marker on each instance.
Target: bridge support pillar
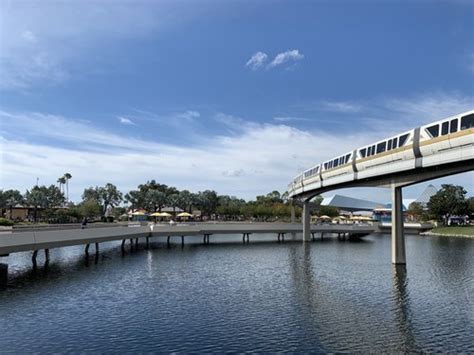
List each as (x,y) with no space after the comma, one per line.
(293,214)
(3,275)
(33,258)
(398,236)
(306,222)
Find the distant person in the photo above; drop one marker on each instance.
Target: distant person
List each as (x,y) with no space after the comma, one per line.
(84,223)
(172,223)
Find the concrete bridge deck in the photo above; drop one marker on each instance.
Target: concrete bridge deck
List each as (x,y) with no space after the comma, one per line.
(37,240)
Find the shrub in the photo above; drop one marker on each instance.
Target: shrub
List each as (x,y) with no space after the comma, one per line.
(5,222)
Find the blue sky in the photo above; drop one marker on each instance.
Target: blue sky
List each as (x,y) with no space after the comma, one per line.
(234,96)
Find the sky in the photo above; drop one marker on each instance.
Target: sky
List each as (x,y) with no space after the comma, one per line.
(235,96)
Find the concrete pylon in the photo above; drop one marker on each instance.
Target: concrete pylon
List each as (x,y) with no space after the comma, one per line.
(293,214)
(398,236)
(306,222)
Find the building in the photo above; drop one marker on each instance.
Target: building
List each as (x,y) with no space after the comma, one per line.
(350,204)
(425,196)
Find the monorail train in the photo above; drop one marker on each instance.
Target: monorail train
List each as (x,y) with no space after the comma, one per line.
(429,145)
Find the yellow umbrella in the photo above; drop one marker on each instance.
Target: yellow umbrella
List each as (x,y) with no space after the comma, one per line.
(165,214)
(156,214)
(184,214)
(324,217)
(138,213)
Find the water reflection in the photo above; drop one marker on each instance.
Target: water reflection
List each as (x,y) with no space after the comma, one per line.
(402,307)
(324,296)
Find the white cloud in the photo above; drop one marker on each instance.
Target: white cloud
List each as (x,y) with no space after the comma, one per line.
(257,60)
(290,119)
(40,44)
(188,115)
(125,120)
(28,36)
(258,158)
(293,55)
(340,106)
(254,159)
(468,62)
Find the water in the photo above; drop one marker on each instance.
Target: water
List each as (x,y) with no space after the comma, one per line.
(325,296)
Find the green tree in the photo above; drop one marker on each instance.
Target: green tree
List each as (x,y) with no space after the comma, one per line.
(317,200)
(91,193)
(470,203)
(329,211)
(208,201)
(173,200)
(37,198)
(90,209)
(110,196)
(155,200)
(105,196)
(416,210)
(10,199)
(54,196)
(135,199)
(449,201)
(185,200)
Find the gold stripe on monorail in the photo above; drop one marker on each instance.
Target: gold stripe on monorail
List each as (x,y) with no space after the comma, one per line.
(401,149)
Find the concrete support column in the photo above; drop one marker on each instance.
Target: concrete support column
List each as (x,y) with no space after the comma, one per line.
(3,275)
(293,214)
(306,222)
(398,237)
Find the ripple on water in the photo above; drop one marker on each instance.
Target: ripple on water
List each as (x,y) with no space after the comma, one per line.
(326,296)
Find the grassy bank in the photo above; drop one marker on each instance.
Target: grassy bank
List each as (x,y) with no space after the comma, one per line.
(467,231)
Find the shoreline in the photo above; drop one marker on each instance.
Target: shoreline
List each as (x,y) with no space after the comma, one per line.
(434,234)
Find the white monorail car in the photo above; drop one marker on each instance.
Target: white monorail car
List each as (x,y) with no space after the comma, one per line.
(440,142)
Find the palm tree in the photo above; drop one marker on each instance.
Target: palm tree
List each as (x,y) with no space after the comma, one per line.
(67,176)
(61,181)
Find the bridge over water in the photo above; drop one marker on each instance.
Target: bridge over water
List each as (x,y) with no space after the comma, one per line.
(435,150)
(42,239)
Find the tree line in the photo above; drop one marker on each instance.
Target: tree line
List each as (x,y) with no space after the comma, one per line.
(106,202)
(449,201)
(50,203)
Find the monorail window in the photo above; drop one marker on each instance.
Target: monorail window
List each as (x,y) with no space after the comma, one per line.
(362,153)
(444,128)
(395,143)
(389,144)
(348,156)
(325,166)
(381,147)
(335,162)
(467,121)
(373,149)
(433,130)
(341,160)
(453,127)
(402,140)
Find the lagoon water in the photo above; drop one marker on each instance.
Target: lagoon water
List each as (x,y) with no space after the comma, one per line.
(325,296)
